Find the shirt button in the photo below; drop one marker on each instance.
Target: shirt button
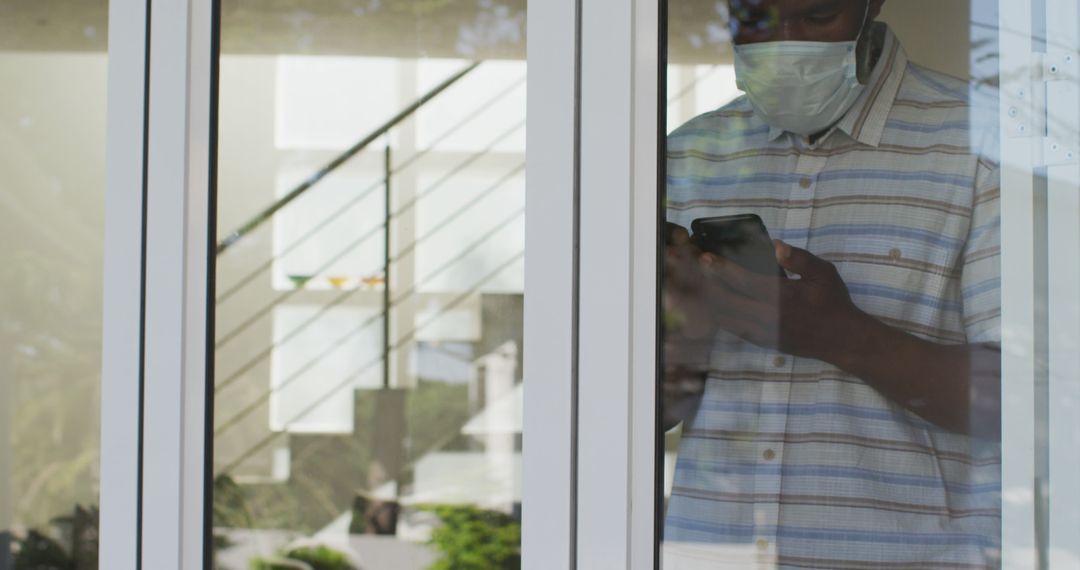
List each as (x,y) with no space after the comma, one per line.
(805,183)
(779,362)
(762,544)
(895,254)
(769,455)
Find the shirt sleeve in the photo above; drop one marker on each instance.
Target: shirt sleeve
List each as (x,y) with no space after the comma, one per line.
(980,278)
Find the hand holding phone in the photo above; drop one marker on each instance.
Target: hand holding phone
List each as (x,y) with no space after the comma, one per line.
(741,239)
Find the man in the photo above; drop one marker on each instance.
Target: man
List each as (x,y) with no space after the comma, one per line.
(849,415)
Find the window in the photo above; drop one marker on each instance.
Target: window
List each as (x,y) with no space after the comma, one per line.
(52,161)
(370,286)
(891,383)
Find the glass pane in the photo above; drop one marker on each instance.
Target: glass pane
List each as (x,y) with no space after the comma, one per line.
(370,285)
(52,164)
(832,399)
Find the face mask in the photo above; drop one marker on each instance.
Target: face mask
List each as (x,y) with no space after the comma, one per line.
(801,87)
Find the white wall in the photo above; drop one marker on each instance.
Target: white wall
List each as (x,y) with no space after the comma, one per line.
(52,180)
(281,120)
(935,33)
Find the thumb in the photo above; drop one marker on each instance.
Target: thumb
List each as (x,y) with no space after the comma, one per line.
(800,261)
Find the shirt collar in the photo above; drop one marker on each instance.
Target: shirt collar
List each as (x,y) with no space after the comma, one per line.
(865,121)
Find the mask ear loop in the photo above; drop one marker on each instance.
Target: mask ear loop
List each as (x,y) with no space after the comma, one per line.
(863,46)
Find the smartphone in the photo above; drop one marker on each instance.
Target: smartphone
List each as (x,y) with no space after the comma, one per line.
(741,239)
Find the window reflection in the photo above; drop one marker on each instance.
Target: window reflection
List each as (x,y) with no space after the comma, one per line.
(832,397)
(53,69)
(368,346)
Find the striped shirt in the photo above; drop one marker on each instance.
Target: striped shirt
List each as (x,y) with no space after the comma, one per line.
(790,462)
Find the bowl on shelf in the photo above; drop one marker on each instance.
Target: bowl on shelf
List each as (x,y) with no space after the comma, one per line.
(299,280)
(373,280)
(337,281)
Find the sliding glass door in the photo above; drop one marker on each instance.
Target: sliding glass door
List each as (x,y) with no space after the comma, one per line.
(320,312)
(316,325)
(814,411)
(369,286)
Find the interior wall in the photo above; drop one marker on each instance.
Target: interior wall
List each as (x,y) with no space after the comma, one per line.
(52,181)
(934,33)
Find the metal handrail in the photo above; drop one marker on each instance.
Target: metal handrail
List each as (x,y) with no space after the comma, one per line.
(343,339)
(370,233)
(367,192)
(342,158)
(337,162)
(351,378)
(345,295)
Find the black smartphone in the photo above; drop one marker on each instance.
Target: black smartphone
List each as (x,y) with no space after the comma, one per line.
(741,239)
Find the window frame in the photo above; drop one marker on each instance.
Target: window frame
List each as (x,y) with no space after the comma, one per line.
(549,438)
(595,121)
(179,233)
(621,126)
(1039,80)
(158,235)
(158,357)
(122,377)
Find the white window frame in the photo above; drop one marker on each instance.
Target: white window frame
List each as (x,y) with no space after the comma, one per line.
(1040,128)
(154,402)
(1045,97)
(547,540)
(590,474)
(1063,250)
(177,261)
(1018,296)
(123,299)
(156,259)
(616,433)
(620,94)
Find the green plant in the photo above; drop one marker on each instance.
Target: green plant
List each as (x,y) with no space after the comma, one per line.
(39,552)
(230,508)
(470,538)
(317,557)
(69,543)
(277,564)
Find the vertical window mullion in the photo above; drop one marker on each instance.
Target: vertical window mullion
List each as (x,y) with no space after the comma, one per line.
(1063,248)
(617,307)
(123,293)
(1018,283)
(176,283)
(547,451)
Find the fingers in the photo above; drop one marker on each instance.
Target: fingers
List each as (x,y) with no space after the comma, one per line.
(751,321)
(682,268)
(704,293)
(676,234)
(709,303)
(802,262)
(741,280)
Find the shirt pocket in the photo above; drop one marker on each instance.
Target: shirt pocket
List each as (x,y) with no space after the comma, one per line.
(898,256)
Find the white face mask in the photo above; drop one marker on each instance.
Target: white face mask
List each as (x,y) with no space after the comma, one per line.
(801,87)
